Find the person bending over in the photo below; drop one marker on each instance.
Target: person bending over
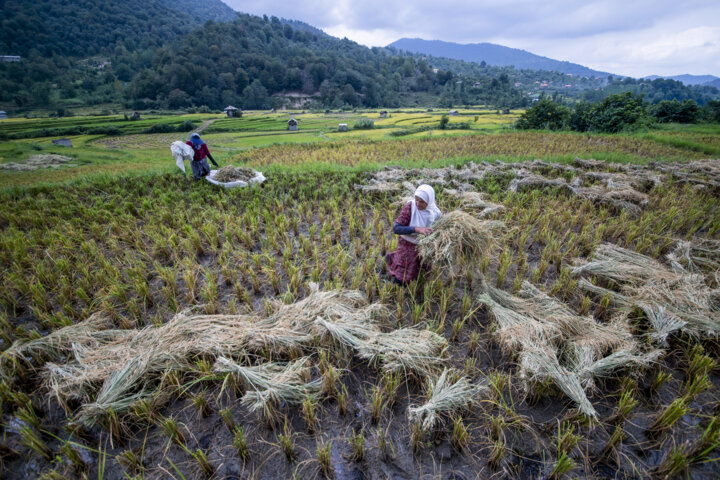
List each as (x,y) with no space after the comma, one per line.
(416,218)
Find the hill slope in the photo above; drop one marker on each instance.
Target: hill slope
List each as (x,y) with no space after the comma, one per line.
(84,28)
(493,54)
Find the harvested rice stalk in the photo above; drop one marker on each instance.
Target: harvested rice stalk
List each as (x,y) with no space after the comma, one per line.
(234,174)
(475,200)
(697,256)
(539,363)
(272,382)
(96,330)
(447,394)
(672,300)
(457,238)
(620,265)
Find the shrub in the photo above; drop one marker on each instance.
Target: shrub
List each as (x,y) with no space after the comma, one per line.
(619,112)
(675,111)
(186,126)
(160,128)
(364,124)
(544,115)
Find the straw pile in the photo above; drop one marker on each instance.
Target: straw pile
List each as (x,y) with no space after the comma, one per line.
(447,394)
(698,256)
(234,174)
(270,384)
(672,299)
(112,369)
(553,343)
(457,238)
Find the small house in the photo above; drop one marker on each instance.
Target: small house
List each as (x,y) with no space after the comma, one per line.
(135,116)
(9,58)
(429,110)
(453,113)
(383,114)
(63,142)
(292,124)
(231,111)
(3,115)
(506,111)
(342,127)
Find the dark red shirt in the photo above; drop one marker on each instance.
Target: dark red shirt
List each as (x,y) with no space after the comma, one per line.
(201,152)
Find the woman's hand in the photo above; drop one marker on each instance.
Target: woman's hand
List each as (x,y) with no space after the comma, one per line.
(423,230)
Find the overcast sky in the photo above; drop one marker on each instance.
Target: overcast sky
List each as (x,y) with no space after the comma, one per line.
(626,37)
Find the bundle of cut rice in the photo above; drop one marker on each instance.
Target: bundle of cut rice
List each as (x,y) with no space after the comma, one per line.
(447,394)
(457,238)
(234,174)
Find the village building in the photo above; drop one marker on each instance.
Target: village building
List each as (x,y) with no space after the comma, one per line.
(453,113)
(383,114)
(231,111)
(292,124)
(342,127)
(9,58)
(3,115)
(63,142)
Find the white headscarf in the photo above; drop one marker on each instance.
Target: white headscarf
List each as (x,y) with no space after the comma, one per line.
(423,218)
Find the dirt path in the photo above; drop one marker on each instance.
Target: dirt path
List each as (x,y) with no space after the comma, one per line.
(202,127)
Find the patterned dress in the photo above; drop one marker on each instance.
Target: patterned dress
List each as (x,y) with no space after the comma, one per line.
(404,263)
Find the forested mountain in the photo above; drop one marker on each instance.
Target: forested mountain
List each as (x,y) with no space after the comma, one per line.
(104,51)
(493,54)
(655,91)
(145,55)
(689,79)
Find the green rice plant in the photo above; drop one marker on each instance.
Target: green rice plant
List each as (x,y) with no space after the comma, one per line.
(660,379)
(460,436)
(377,402)
(699,363)
(172,429)
(497,426)
(694,386)
(342,400)
(665,420)
(417,437)
(227,416)
(391,384)
(585,304)
(30,438)
(323,457)
(202,461)
(673,464)
(473,342)
(286,442)
(618,436)
(309,409)
(200,402)
(73,456)
(331,377)
(27,414)
(240,444)
(506,260)
(567,440)
(384,443)
(496,454)
(131,460)
(357,444)
(470,367)
(625,406)
(701,448)
(144,410)
(562,466)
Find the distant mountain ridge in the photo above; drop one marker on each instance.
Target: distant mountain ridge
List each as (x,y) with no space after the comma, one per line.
(493,54)
(687,79)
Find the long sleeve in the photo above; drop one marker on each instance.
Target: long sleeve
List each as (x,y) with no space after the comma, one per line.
(403,229)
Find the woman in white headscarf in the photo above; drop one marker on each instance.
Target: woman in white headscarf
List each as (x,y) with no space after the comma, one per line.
(416,218)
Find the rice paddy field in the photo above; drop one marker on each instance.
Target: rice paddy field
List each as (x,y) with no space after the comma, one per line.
(156,327)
